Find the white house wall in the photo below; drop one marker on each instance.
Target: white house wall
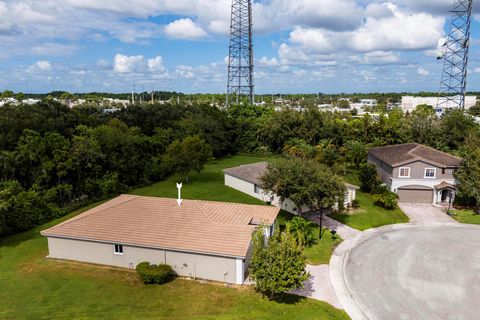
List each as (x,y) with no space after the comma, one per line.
(249,188)
(185,264)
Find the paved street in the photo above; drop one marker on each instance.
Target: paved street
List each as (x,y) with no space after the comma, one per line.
(424,212)
(413,272)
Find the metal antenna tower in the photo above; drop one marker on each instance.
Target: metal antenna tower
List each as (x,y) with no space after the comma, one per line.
(240,60)
(454,76)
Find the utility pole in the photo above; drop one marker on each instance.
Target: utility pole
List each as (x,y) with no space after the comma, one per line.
(240,61)
(455,57)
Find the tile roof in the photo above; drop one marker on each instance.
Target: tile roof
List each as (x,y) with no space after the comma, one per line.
(396,155)
(196,226)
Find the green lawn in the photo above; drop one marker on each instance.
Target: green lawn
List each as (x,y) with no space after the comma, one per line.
(33,287)
(206,185)
(370,216)
(466,216)
(321,251)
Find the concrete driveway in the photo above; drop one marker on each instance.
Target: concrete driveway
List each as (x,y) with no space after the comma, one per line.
(424,213)
(410,272)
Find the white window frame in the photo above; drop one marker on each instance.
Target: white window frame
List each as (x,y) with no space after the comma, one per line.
(404,168)
(434,173)
(119,251)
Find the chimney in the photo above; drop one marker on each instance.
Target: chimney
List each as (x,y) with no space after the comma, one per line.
(179,200)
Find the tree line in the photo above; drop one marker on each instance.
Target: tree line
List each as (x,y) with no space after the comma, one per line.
(58,157)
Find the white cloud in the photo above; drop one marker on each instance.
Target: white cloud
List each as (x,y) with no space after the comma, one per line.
(423,72)
(264,61)
(184,29)
(128,64)
(156,64)
(477,70)
(43,65)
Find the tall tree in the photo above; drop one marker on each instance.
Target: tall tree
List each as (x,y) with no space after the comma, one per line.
(468,174)
(188,155)
(305,182)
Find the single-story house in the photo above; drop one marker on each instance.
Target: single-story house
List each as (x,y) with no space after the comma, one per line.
(417,173)
(199,239)
(246,178)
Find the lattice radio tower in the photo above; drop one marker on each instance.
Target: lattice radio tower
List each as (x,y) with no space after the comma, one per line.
(455,55)
(240,61)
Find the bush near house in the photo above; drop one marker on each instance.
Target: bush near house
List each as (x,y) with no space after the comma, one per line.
(154,274)
(387,200)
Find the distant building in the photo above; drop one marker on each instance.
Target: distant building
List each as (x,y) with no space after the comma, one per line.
(410,103)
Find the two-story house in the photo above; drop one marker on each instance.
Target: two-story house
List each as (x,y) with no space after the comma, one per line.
(417,173)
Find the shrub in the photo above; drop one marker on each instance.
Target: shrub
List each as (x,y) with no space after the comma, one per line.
(302,230)
(154,274)
(370,182)
(355,204)
(387,200)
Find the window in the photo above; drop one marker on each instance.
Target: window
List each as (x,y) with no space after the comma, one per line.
(118,249)
(256,189)
(430,173)
(404,173)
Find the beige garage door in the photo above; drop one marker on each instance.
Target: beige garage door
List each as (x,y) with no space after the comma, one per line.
(415,195)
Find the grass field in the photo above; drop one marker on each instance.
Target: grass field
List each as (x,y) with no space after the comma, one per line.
(466,216)
(33,287)
(370,216)
(206,185)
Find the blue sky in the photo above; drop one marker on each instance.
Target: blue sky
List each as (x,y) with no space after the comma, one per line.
(301,46)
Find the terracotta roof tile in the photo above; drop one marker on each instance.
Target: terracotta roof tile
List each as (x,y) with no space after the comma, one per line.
(200,226)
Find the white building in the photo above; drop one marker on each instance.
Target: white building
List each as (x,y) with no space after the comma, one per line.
(410,103)
(245,178)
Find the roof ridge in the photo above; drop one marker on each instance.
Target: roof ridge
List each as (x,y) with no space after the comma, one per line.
(443,152)
(198,204)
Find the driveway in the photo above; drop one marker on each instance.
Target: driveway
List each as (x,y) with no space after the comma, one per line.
(410,272)
(424,213)
(318,286)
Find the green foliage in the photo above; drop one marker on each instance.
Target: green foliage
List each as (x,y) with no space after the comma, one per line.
(22,209)
(278,264)
(355,204)
(305,182)
(357,153)
(154,274)
(387,200)
(370,182)
(188,155)
(468,174)
(302,230)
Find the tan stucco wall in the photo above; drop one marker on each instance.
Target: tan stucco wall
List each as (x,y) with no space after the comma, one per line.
(417,171)
(384,170)
(185,264)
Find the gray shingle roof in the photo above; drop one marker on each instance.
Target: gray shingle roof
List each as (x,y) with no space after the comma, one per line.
(396,155)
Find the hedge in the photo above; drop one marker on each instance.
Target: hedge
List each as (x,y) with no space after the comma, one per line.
(154,274)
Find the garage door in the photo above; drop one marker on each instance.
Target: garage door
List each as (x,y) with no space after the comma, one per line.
(415,195)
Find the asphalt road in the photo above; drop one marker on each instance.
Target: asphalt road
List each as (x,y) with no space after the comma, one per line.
(423,272)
